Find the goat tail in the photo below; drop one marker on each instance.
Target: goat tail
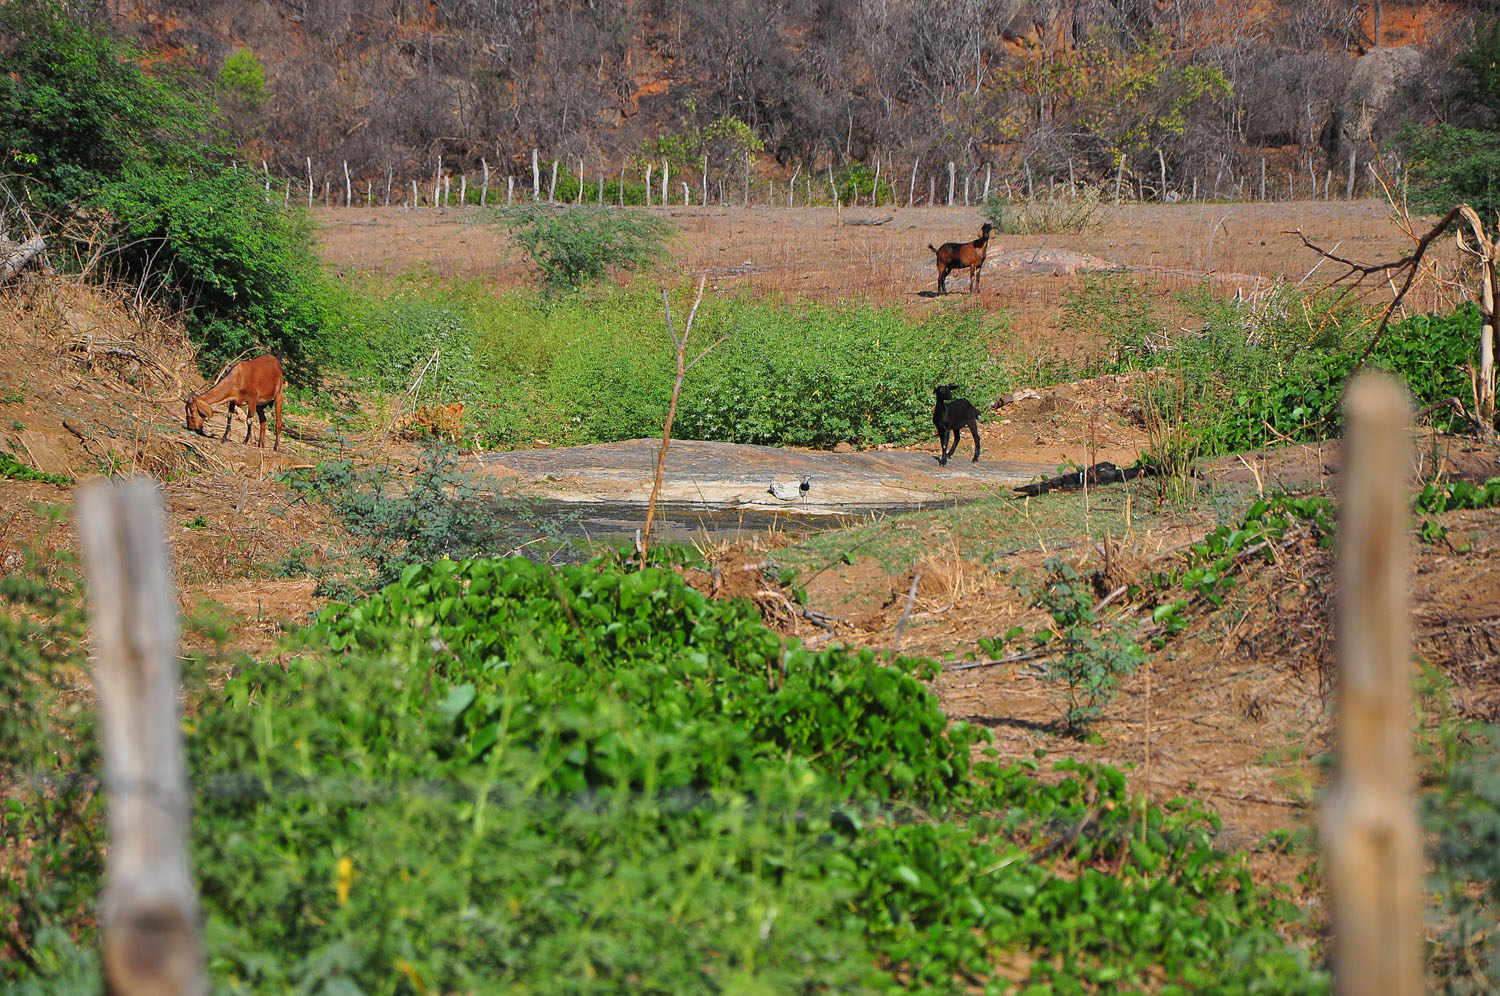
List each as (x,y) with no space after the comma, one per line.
(934,249)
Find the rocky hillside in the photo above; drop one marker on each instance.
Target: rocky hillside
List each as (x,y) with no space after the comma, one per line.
(1045,85)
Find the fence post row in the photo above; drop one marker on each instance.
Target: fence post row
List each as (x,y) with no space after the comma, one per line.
(972,192)
(148,913)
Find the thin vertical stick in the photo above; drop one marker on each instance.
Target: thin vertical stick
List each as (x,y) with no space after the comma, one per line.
(536,178)
(309,182)
(148,914)
(680,344)
(348,186)
(911,188)
(484,183)
(951,175)
(1374,851)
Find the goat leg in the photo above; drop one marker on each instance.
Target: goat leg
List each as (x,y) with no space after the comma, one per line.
(942,446)
(228,421)
(973,431)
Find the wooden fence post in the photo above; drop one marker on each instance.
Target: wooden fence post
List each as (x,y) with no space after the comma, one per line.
(1371,839)
(149,918)
(309,183)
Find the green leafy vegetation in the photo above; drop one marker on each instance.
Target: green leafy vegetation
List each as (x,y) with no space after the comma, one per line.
(1450,163)
(598,367)
(1264,372)
(50,859)
(103,148)
(1461,814)
(499,776)
(1092,657)
(14,469)
(394,520)
(575,246)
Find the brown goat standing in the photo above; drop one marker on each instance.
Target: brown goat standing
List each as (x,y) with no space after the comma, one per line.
(255,384)
(962,255)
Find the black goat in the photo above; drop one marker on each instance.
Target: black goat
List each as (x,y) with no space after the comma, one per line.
(951,415)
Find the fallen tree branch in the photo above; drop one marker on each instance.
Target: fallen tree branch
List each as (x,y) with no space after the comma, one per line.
(16,256)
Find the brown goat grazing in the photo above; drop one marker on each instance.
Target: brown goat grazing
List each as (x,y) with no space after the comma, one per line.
(962,255)
(255,384)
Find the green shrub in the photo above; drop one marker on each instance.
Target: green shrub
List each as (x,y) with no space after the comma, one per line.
(1276,372)
(125,156)
(1058,211)
(207,239)
(1093,658)
(597,367)
(1116,311)
(1449,165)
(580,245)
(438,511)
(76,109)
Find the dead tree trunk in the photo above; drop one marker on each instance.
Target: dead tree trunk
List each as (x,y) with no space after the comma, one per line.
(148,914)
(16,256)
(1373,845)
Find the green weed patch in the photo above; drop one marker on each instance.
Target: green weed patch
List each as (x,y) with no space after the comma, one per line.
(498,777)
(598,367)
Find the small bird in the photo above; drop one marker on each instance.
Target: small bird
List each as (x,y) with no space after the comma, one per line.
(789,492)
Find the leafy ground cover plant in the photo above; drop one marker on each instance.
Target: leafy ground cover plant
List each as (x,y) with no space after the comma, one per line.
(580,245)
(17,471)
(497,776)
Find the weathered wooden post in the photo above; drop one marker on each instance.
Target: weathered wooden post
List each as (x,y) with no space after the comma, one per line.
(951,174)
(148,914)
(309,183)
(1371,838)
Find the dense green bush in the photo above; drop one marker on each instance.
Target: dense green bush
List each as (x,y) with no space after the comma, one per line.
(119,161)
(1449,165)
(1276,373)
(206,238)
(499,777)
(598,367)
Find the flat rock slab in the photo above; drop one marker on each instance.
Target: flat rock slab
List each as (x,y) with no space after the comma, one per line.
(732,475)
